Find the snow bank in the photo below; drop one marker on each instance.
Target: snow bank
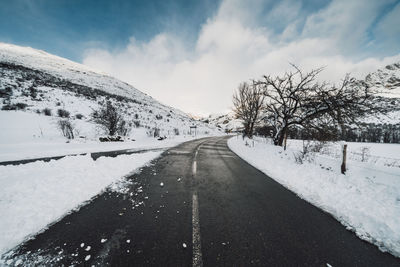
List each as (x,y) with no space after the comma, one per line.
(366,200)
(36,194)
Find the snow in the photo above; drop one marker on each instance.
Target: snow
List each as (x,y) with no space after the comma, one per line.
(61,67)
(62,84)
(30,135)
(227,122)
(386,80)
(36,194)
(366,200)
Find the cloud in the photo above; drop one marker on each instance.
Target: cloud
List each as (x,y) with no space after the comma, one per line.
(231,47)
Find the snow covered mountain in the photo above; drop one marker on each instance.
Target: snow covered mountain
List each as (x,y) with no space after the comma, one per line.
(386,80)
(226,122)
(36,88)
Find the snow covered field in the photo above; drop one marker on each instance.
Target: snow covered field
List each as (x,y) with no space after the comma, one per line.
(36,194)
(25,135)
(366,200)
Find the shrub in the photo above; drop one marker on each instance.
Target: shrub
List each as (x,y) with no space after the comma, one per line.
(32,92)
(111,139)
(46,111)
(110,118)
(136,123)
(122,128)
(63,113)
(159,117)
(66,128)
(365,153)
(21,105)
(307,153)
(16,106)
(156,132)
(176,131)
(8,107)
(6,92)
(79,116)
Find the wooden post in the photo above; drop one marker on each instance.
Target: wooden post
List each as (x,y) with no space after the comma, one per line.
(284,141)
(344,159)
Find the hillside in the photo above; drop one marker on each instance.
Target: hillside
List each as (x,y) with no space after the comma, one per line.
(386,80)
(225,122)
(35,85)
(385,83)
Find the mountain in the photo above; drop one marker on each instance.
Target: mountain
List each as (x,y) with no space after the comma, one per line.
(386,80)
(35,84)
(226,122)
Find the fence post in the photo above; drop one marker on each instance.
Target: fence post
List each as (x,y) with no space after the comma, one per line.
(285,141)
(343,167)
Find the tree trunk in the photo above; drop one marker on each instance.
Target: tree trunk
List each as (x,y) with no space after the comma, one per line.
(251,129)
(280,137)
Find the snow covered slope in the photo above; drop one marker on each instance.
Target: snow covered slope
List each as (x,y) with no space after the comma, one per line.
(226,122)
(40,84)
(386,80)
(68,70)
(385,83)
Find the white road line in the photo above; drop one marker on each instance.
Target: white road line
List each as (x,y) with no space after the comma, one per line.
(197,256)
(194,167)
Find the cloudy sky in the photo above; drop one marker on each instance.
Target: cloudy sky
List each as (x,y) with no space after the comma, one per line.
(193,54)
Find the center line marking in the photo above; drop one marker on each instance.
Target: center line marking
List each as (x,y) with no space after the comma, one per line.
(197,256)
(194,167)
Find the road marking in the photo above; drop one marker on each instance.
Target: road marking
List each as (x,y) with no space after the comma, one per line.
(197,256)
(194,167)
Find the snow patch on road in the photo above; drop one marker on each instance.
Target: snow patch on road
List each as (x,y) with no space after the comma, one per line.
(36,194)
(366,200)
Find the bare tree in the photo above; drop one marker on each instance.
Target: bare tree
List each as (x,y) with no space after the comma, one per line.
(297,99)
(110,118)
(248,102)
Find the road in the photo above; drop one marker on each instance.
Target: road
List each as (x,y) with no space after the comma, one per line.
(199,204)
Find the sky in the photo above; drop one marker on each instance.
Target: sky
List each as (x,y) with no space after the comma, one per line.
(192,54)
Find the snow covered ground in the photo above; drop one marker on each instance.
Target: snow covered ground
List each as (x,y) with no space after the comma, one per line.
(36,194)
(25,135)
(366,200)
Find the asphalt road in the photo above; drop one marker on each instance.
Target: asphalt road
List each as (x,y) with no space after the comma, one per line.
(212,209)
